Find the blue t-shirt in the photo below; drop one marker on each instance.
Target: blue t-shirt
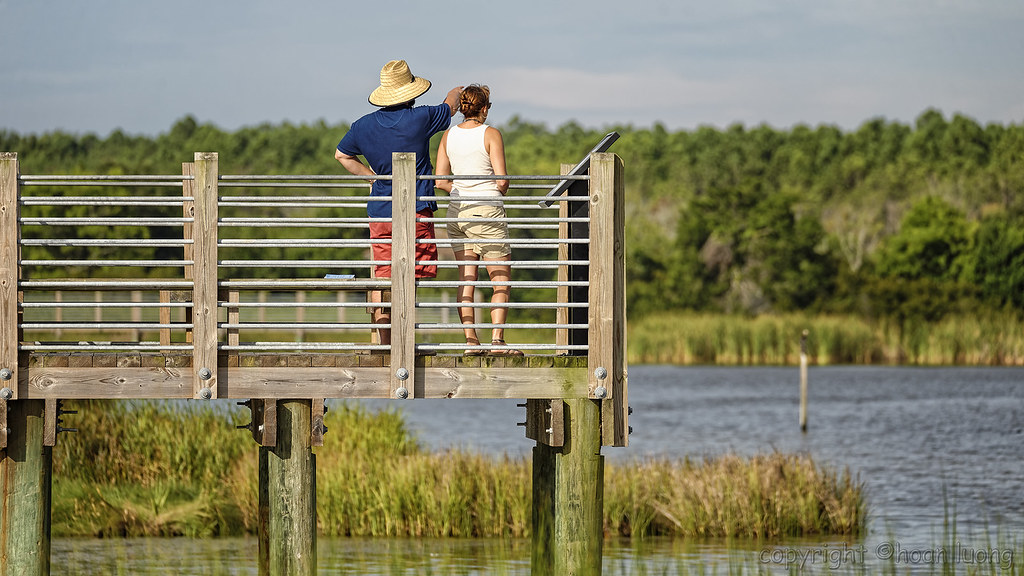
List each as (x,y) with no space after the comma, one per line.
(379,134)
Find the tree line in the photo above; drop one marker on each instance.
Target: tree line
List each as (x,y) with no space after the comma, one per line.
(891,221)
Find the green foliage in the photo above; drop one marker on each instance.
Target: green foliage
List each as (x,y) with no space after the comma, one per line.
(890,221)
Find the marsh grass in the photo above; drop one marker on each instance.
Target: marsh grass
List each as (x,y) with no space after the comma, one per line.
(166,469)
(769,496)
(687,339)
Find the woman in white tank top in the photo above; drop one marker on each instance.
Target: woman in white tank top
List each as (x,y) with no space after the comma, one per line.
(473,148)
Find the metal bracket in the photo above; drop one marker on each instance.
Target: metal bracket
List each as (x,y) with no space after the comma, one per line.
(53,423)
(317,418)
(263,425)
(3,423)
(545,421)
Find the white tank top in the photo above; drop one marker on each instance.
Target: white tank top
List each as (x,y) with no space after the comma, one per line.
(468,156)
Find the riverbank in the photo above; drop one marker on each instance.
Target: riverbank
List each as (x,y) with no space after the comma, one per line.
(709,339)
(168,469)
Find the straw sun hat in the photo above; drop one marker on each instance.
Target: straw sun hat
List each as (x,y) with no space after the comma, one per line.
(397,85)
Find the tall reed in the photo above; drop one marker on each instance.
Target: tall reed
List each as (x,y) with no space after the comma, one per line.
(164,469)
(994,340)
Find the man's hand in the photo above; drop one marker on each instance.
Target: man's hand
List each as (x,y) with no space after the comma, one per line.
(354,165)
(452,99)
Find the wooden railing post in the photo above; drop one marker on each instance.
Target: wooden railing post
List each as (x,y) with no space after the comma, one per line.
(10,273)
(403,274)
(204,293)
(25,483)
(607,318)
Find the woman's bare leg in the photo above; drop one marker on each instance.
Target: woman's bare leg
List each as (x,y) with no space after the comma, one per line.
(467,273)
(499,273)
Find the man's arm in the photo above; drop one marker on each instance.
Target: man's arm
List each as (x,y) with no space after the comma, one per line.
(452,99)
(354,165)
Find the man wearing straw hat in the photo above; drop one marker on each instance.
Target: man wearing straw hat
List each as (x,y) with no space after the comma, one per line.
(398,126)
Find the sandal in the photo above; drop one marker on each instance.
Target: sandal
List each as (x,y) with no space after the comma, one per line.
(477,352)
(505,351)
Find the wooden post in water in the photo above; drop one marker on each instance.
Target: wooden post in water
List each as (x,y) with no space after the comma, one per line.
(568,496)
(803,381)
(287,495)
(25,468)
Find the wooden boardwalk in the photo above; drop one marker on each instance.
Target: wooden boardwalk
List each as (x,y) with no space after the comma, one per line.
(195,337)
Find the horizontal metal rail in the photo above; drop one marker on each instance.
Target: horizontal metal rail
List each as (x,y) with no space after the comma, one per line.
(127,221)
(294,326)
(102,326)
(301,263)
(109,183)
(301,304)
(292,185)
(440,347)
(283,204)
(520,264)
(292,222)
(305,284)
(509,241)
(112,263)
(507,199)
(77,347)
(267,346)
(147,243)
(104,201)
(507,220)
(488,326)
(296,177)
(26,178)
(300,201)
(534,305)
(510,177)
(99,284)
(510,283)
(265,199)
(298,243)
(48,305)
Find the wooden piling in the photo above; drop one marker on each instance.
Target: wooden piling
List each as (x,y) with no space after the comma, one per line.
(287,495)
(803,381)
(25,473)
(568,496)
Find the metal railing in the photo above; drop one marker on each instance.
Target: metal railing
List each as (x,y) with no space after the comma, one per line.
(49,227)
(213,267)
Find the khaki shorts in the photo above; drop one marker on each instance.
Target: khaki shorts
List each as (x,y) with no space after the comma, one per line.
(479,236)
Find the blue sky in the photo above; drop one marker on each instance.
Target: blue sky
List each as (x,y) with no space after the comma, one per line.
(99,65)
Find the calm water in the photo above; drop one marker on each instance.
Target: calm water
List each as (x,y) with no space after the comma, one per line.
(923,440)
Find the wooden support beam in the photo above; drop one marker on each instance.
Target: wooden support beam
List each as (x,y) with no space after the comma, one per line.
(568,496)
(403,274)
(25,483)
(204,295)
(287,496)
(10,274)
(170,377)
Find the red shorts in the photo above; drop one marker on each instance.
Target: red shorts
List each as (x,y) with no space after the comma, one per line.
(424,230)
